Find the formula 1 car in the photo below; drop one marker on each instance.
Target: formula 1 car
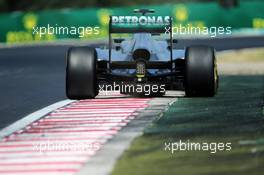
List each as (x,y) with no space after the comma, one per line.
(141,61)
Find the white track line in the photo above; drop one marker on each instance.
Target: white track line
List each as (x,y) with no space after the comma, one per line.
(20,124)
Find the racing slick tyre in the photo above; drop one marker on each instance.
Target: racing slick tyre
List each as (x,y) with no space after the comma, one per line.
(201,78)
(81,80)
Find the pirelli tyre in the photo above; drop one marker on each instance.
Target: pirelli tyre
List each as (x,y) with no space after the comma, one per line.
(81,80)
(201,78)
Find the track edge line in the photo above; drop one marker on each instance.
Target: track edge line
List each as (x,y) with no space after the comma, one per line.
(21,123)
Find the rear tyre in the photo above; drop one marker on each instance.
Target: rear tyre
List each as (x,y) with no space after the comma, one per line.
(81,80)
(201,78)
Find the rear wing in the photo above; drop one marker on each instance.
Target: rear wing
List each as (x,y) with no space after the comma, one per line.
(140,24)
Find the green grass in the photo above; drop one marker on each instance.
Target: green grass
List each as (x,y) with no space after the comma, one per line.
(234,115)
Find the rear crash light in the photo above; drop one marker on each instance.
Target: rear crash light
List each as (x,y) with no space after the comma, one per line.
(140,69)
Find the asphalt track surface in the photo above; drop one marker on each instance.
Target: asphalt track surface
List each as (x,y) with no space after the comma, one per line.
(33,77)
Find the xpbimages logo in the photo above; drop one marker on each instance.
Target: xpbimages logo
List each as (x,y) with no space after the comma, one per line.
(212,147)
(144,89)
(142,20)
(81,31)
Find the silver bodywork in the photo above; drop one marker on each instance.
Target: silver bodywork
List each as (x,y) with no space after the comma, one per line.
(158,50)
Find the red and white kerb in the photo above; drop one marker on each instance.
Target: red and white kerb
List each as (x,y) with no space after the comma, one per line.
(62,141)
